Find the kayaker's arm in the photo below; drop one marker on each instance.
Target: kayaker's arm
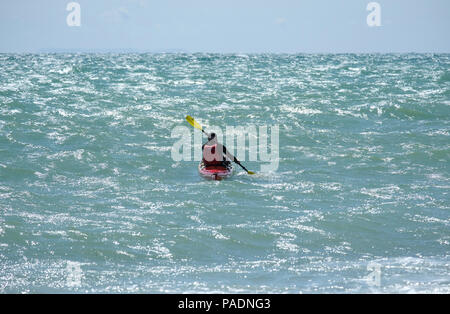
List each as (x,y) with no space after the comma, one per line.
(231,157)
(234,159)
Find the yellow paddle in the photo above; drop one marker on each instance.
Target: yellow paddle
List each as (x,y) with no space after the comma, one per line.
(196,125)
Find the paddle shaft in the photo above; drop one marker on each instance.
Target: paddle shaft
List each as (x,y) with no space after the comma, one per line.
(242,166)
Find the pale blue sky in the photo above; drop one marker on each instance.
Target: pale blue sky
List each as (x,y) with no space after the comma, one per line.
(226,26)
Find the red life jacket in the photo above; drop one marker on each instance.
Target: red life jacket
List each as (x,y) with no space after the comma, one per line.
(212,155)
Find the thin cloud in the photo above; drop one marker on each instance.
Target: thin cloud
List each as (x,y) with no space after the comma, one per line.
(280,21)
(117,15)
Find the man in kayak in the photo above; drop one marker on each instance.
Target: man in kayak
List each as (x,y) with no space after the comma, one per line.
(216,154)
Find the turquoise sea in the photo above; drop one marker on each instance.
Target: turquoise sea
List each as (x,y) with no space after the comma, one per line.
(91,200)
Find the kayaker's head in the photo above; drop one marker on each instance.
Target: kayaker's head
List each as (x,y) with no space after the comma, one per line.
(212,137)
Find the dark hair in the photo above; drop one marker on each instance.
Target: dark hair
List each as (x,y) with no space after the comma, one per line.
(211,136)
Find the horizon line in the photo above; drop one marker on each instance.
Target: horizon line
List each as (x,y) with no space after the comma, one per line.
(182,51)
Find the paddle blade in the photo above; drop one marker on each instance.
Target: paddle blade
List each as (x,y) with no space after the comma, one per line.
(250,172)
(193,123)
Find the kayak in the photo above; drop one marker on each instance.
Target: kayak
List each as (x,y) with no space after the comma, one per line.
(215,172)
